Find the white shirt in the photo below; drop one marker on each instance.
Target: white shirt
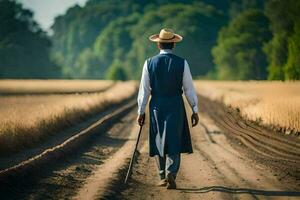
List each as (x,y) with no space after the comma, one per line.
(187,86)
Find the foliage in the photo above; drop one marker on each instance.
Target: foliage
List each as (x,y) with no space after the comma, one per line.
(228,39)
(292,67)
(239,6)
(283,49)
(77,30)
(238,54)
(24,47)
(112,45)
(198,23)
(117,72)
(88,40)
(276,51)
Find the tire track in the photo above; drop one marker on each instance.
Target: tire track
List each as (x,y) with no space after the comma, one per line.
(98,184)
(285,142)
(287,149)
(275,148)
(227,174)
(210,150)
(252,139)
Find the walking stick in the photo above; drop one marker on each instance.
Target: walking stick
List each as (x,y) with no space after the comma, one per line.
(133,155)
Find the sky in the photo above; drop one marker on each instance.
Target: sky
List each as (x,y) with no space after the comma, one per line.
(46,10)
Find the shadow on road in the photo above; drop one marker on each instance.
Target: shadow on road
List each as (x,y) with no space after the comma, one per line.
(241,191)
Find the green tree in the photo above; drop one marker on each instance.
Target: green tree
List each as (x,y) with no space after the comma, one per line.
(239,6)
(80,26)
(197,22)
(276,52)
(87,66)
(24,47)
(113,43)
(281,50)
(117,72)
(292,67)
(119,30)
(238,53)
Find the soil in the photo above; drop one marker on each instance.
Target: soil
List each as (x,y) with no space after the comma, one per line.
(232,159)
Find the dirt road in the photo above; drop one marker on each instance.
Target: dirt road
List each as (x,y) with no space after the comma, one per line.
(232,159)
(222,167)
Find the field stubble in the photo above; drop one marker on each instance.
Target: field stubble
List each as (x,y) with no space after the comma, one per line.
(269,103)
(19,87)
(27,120)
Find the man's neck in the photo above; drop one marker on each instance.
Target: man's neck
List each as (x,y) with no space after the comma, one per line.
(162,51)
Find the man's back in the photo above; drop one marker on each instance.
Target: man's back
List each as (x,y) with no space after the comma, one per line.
(165,73)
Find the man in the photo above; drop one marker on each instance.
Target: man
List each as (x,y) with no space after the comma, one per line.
(165,76)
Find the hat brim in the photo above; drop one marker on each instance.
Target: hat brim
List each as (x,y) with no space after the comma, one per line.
(155,38)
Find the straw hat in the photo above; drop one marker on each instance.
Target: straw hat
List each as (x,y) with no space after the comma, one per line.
(165,35)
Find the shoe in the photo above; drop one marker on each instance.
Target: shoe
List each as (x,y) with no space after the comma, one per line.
(171,181)
(162,183)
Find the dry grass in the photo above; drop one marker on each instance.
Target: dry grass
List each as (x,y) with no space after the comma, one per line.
(274,104)
(26,120)
(52,86)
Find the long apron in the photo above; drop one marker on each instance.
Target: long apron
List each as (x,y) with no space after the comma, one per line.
(169,131)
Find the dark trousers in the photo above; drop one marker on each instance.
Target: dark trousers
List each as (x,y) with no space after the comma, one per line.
(168,164)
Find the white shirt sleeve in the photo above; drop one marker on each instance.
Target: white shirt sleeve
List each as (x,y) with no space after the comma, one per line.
(188,88)
(144,90)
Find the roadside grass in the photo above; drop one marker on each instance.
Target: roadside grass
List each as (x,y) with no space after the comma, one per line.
(274,104)
(28,120)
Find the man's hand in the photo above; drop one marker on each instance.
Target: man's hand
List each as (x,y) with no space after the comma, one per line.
(195,119)
(141,119)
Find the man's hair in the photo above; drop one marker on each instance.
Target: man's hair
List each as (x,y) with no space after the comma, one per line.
(166,45)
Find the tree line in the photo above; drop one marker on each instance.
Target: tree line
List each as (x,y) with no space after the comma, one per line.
(228,39)
(260,41)
(24,47)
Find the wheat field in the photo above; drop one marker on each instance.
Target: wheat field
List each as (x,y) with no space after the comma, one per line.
(26,120)
(10,86)
(271,103)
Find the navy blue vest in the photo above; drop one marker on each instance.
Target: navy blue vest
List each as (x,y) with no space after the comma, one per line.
(165,73)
